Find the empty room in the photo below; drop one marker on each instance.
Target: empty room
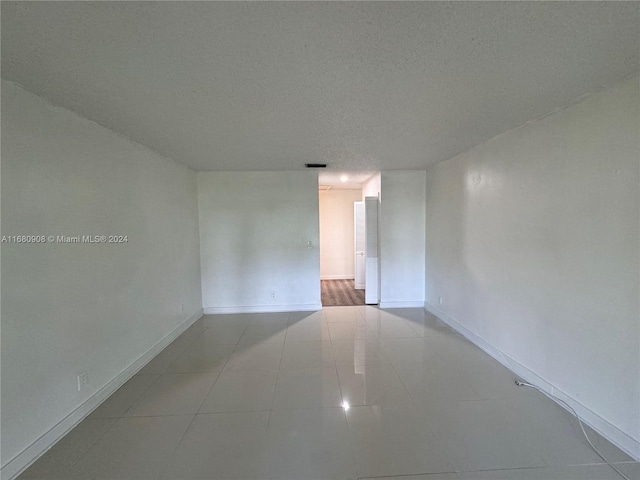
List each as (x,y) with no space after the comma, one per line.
(184,183)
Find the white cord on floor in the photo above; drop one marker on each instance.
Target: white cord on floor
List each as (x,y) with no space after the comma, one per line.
(570,408)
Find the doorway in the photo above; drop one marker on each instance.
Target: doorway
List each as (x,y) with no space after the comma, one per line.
(337,255)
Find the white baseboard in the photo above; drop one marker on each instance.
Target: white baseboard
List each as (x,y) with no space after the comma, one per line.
(301,307)
(24,459)
(385,305)
(626,443)
(337,277)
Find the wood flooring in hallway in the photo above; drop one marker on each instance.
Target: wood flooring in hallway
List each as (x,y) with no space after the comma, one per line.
(340,293)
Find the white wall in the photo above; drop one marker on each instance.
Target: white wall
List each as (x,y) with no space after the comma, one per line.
(532,242)
(254,229)
(337,256)
(402,238)
(372,187)
(69,308)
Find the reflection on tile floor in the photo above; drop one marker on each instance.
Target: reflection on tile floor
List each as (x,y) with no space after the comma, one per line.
(346,393)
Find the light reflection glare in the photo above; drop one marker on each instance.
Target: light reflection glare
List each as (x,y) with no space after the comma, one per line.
(345,405)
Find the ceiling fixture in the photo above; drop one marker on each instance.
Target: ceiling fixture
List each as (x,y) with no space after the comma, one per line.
(343,178)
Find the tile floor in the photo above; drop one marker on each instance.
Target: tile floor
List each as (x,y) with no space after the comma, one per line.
(345,393)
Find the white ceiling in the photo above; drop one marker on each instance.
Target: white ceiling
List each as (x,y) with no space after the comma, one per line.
(362,86)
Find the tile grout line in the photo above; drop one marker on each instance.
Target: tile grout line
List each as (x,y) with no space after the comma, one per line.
(93,444)
(415,403)
(118,418)
(220,372)
(123,416)
(175,449)
(275,388)
(352,452)
(171,456)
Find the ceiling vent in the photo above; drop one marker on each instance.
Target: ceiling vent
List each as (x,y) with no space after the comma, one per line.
(315,165)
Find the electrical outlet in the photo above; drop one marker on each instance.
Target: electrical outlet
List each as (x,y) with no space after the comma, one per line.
(182,308)
(273,294)
(440,300)
(83,380)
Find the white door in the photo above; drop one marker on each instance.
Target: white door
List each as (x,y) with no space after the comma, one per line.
(360,244)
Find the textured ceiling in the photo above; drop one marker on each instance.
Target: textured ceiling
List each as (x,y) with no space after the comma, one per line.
(361,86)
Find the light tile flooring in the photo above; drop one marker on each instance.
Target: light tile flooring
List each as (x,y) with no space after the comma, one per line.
(345,393)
